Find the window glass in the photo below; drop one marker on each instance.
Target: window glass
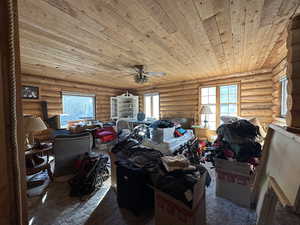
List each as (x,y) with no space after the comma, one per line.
(228,98)
(77,107)
(283,104)
(156,106)
(148,106)
(209,98)
(151,106)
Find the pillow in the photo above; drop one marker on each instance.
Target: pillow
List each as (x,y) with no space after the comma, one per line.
(229,119)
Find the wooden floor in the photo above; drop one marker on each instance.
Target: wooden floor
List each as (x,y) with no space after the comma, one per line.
(55,207)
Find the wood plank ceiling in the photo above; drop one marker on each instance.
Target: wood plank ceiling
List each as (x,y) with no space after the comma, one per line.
(98,41)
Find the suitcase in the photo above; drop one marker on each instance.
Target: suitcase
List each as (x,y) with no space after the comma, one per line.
(133,193)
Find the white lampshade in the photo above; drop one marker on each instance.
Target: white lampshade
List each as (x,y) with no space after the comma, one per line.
(205,110)
(33,124)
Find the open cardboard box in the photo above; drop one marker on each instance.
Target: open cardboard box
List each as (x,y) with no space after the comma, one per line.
(169,211)
(234,182)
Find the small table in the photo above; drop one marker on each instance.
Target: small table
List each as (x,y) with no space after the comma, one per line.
(200,132)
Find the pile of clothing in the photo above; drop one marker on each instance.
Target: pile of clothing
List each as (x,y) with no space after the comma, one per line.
(173,175)
(162,124)
(238,141)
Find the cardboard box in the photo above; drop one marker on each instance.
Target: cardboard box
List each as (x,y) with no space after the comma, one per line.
(160,135)
(169,211)
(234,182)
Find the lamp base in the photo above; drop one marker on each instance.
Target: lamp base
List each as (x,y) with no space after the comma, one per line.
(205,124)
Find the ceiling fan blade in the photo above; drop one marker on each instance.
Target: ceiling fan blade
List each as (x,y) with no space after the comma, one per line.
(126,75)
(158,74)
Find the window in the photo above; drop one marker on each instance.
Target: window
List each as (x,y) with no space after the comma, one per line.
(222,100)
(77,107)
(228,100)
(208,97)
(151,105)
(283,101)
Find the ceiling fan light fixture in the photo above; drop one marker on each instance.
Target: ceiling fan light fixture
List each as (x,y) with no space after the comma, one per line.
(140,78)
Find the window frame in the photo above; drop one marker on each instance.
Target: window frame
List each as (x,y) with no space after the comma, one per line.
(93,96)
(281,81)
(151,107)
(218,97)
(209,104)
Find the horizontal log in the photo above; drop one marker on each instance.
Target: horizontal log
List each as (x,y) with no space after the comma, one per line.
(175,89)
(49,88)
(31,104)
(276,101)
(247,99)
(276,109)
(257,92)
(32,112)
(187,93)
(50,94)
(276,93)
(276,85)
(169,85)
(63,83)
(279,76)
(51,98)
(193,98)
(261,112)
(221,82)
(254,85)
(45,88)
(178,109)
(281,66)
(176,114)
(256,105)
(255,78)
(179,104)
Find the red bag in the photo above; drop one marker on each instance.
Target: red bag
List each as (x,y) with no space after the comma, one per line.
(106,134)
(107,138)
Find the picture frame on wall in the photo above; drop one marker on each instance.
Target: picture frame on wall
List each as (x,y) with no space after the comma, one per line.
(30,92)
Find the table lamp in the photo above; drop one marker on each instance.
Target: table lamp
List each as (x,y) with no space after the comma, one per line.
(205,110)
(32,125)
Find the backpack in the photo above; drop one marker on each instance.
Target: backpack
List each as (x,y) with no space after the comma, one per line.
(90,176)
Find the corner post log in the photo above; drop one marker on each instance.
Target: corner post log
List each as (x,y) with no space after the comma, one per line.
(293,73)
(13,208)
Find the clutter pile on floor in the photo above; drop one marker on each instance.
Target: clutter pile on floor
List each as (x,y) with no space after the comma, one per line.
(237,141)
(140,170)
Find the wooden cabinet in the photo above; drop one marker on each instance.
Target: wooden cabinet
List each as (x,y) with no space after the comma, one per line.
(125,106)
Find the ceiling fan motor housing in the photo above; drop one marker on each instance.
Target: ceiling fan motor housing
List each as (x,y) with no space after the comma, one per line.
(140,78)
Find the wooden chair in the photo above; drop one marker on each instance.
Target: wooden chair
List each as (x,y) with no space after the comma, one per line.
(38,160)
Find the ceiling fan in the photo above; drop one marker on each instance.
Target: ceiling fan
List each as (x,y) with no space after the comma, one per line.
(142,76)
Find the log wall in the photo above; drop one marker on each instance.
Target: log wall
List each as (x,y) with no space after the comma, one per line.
(181,99)
(293,73)
(279,72)
(50,91)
